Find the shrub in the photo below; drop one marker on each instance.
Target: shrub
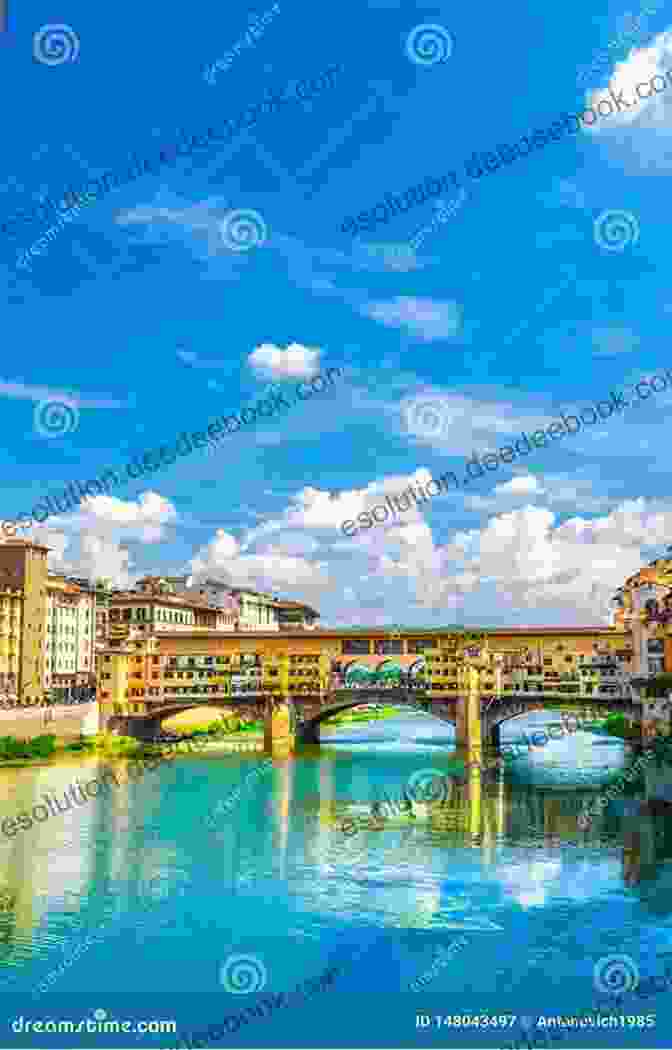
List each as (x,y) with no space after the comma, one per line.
(43,746)
(11,748)
(660,686)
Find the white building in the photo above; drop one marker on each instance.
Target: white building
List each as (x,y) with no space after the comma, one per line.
(69,635)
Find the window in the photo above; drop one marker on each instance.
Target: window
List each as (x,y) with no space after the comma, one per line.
(356,646)
(419,645)
(388,647)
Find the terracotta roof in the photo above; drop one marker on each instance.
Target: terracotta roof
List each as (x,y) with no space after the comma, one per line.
(163,599)
(415,632)
(17,542)
(281,603)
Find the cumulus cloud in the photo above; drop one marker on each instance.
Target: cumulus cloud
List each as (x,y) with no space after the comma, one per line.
(641,65)
(89,541)
(642,131)
(272,570)
(296,362)
(525,483)
(528,563)
(428,319)
(575,566)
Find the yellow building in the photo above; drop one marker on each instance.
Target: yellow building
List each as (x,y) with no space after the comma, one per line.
(23,603)
(644,613)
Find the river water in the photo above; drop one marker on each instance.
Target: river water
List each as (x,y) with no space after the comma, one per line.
(134,905)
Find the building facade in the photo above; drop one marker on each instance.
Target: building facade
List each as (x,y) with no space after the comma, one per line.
(70,635)
(23,597)
(241,609)
(644,611)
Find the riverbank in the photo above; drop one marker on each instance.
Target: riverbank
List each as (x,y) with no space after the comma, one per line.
(47,750)
(357,717)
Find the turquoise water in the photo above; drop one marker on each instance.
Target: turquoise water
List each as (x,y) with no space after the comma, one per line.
(154,905)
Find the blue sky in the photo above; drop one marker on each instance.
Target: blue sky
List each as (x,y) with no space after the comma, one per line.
(510,312)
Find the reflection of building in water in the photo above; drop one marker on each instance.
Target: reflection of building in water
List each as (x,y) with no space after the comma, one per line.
(46,867)
(647,854)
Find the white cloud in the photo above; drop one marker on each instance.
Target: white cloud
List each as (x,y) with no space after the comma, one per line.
(641,133)
(462,423)
(575,566)
(21,391)
(428,319)
(271,571)
(526,483)
(525,562)
(296,362)
(392,255)
(88,542)
(614,339)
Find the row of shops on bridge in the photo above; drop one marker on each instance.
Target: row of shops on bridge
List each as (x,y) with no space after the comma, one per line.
(140,672)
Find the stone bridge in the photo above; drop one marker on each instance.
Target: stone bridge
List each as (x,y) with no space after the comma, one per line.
(303,714)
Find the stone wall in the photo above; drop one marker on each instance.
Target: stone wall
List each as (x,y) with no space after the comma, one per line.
(66,722)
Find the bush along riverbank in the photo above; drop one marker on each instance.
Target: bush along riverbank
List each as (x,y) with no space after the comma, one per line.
(41,749)
(15,752)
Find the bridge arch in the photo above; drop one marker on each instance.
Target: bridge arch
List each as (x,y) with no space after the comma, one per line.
(147,725)
(309,728)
